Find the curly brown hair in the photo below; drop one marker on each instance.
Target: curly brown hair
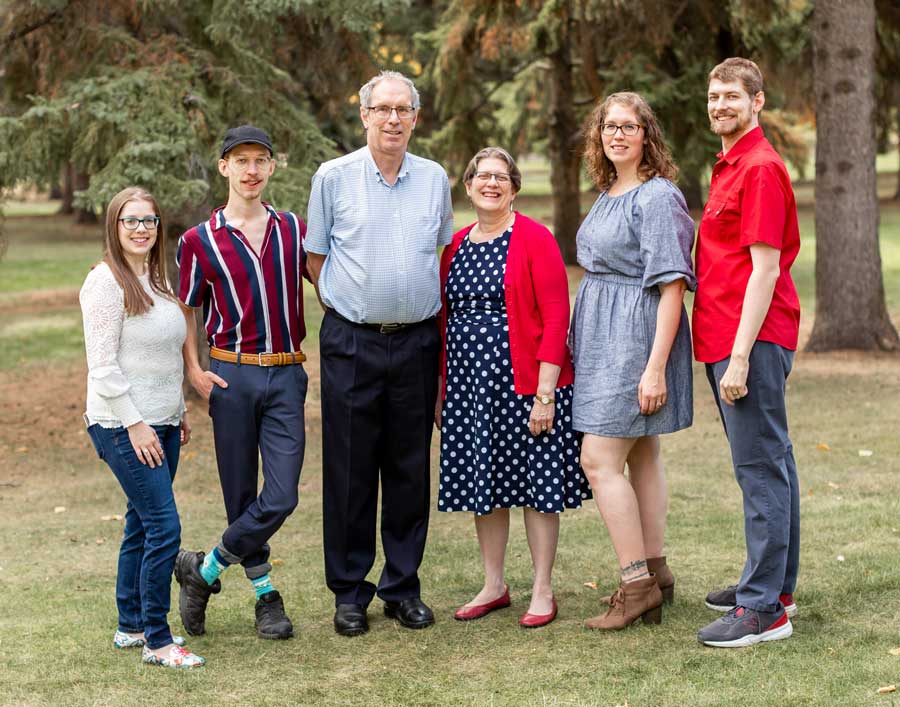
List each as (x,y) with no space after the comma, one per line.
(656,160)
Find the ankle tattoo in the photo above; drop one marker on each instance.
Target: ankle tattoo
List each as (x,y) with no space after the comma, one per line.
(638,568)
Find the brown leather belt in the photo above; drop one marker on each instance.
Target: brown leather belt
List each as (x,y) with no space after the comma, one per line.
(264,359)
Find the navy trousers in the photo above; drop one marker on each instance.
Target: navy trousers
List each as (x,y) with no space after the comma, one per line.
(378,396)
(763,457)
(259,414)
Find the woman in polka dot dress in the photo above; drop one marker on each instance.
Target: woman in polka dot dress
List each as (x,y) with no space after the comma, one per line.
(506,415)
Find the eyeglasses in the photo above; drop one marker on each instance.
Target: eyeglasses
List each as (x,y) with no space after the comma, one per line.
(384,112)
(132,222)
(629,129)
(242,164)
(485,177)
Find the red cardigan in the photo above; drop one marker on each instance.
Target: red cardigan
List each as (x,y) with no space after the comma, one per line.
(536,290)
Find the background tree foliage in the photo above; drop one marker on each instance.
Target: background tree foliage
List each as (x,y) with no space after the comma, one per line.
(100,94)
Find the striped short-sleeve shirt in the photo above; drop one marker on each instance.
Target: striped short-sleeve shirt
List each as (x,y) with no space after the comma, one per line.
(252,302)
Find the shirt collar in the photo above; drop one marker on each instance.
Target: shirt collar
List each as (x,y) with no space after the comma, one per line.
(218,215)
(743,146)
(404,166)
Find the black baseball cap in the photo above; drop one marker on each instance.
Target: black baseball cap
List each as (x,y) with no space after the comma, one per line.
(244,134)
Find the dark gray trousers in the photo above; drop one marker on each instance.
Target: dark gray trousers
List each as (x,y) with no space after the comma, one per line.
(763,457)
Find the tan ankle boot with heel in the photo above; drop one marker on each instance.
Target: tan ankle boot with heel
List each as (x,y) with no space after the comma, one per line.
(639,599)
(664,577)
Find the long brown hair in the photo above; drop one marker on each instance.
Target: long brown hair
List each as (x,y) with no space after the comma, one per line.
(656,160)
(137,301)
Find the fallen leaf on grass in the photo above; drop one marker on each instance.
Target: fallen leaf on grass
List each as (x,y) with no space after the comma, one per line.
(112,517)
(100,541)
(840,558)
(894,651)
(823,447)
(886,689)
(59,509)
(276,563)
(866,452)
(834,485)
(590,585)
(22,450)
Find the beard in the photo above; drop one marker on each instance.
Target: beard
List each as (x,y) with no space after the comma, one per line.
(737,123)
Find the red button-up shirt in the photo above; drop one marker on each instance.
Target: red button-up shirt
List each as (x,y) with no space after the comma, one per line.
(750,201)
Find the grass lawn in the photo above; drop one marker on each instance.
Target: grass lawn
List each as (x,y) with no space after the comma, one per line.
(59,534)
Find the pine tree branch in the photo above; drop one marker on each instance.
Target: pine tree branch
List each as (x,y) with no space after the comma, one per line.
(17,34)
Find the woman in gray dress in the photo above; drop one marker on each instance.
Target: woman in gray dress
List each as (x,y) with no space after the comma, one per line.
(631,344)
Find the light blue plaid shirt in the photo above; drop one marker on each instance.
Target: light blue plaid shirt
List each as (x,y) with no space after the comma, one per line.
(380,240)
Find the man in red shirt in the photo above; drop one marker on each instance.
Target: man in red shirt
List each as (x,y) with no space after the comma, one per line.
(745,325)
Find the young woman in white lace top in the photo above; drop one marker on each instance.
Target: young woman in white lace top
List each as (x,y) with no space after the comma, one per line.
(134,330)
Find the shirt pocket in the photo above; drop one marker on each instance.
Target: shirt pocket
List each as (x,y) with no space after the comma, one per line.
(722,219)
(425,232)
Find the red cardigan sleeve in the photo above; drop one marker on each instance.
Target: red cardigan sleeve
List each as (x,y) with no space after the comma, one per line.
(551,289)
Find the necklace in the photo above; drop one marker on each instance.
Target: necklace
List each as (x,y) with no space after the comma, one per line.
(490,235)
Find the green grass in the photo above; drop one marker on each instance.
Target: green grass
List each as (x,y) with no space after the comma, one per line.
(57,570)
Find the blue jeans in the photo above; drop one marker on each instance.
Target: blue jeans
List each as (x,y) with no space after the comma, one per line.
(152,531)
(763,457)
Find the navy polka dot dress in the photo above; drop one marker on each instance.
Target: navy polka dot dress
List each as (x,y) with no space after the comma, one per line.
(489,459)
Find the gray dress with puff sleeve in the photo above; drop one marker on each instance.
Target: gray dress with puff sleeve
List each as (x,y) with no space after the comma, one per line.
(629,245)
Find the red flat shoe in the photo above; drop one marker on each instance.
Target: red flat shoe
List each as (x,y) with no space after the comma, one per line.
(537,620)
(468,613)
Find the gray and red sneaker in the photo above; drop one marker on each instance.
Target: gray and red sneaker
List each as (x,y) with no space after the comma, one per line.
(726,599)
(745,627)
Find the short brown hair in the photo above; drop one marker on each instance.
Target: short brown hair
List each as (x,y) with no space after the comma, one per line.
(515,176)
(739,69)
(656,160)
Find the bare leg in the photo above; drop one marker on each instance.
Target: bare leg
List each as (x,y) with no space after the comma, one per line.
(645,470)
(603,460)
(542,530)
(493,534)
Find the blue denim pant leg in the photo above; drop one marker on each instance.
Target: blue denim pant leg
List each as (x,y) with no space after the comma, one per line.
(152,531)
(763,458)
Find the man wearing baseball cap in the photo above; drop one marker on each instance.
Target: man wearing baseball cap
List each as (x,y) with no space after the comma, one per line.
(244,268)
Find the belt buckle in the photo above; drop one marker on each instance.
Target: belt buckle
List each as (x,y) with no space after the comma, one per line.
(390,328)
(259,357)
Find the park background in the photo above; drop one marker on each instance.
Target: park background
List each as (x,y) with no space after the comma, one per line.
(98,95)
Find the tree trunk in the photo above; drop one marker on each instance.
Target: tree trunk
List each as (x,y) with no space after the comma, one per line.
(692,189)
(562,148)
(68,190)
(81,181)
(897,111)
(850,306)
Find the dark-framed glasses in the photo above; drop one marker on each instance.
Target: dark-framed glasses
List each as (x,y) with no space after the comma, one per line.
(485,177)
(132,222)
(384,112)
(629,129)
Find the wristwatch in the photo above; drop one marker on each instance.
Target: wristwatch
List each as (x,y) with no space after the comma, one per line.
(545,399)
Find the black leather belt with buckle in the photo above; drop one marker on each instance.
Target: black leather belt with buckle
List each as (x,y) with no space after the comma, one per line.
(391,328)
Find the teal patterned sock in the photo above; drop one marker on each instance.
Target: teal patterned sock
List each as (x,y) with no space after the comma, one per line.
(262,585)
(213,565)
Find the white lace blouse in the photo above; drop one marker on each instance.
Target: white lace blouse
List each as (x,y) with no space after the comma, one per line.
(134,363)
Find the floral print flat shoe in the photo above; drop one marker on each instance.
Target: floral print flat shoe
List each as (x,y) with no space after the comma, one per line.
(178,657)
(123,640)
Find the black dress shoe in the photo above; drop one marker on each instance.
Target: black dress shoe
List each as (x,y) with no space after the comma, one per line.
(412,613)
(350,620)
